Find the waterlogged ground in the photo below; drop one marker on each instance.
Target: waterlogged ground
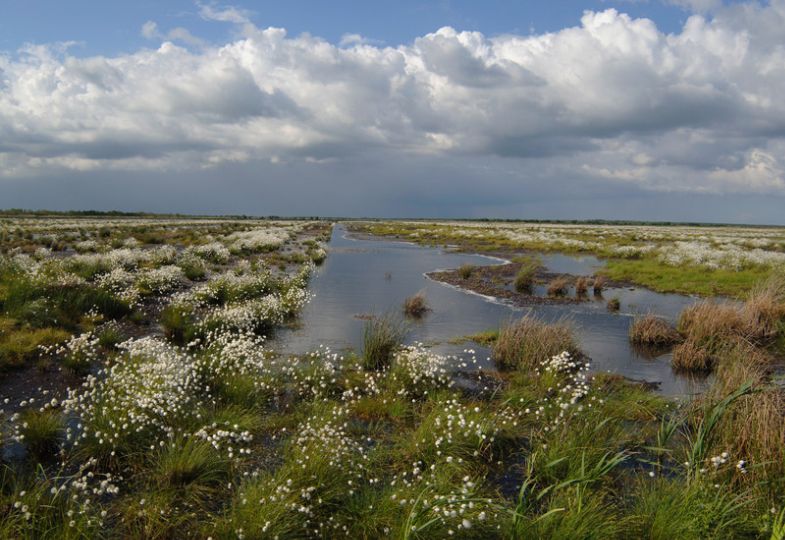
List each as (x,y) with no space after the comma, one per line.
(705,260)
(142,397)
(365,276)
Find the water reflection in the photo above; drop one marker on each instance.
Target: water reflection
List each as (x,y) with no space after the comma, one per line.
(362,277)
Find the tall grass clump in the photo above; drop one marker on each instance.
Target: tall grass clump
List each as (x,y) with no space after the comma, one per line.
(558,286)
(382,336)
(192,468)
(651,330)
(416,305)
(763,314)
(524,278)
(20,347)
(581,286)
(466,271)
(41,432)
(599,284)
(525,343)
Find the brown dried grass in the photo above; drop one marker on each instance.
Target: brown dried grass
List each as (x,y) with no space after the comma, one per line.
(416,305)
(558,286)
(528,342)
(651,330)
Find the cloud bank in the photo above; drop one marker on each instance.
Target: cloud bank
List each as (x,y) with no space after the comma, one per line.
(611,106)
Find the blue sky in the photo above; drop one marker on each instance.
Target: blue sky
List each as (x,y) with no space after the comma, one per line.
(658,109)
(114,27)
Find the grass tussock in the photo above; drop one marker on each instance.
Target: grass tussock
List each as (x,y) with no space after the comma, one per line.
(558,286)
(581,286)
(652,330)
(598,284)
(712,329)
(20,347)
(524,277)
(381,338)
(614,304)
(527,342)
(692,356)
(416,306)
(466,271)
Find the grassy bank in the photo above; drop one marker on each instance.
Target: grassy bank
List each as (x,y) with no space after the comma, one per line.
(707,261)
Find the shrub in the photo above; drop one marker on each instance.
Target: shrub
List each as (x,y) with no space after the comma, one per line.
(416,305)
(381,338)
(651,330)
(526,343)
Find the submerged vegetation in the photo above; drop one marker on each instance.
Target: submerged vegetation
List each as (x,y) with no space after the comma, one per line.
(183,421)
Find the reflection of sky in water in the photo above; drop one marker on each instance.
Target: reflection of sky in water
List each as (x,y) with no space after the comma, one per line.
(354,281)
(577,265)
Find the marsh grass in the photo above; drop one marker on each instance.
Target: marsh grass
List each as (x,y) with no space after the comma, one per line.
(416,306)
(598,284)
(190,467)
(614,304)
(691,355)
(525,343)
(715,330)
(466,271)
(558,286)
(43,432)
(20,347)
(581,286)
(652,330)
(524,277)
(382,336)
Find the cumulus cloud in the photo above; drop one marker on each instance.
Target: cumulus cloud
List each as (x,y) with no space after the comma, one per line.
(150,31)
(613,101)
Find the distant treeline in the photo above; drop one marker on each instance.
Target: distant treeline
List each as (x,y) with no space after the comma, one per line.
(21,212)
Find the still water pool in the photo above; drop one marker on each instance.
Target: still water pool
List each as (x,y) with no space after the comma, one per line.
(368,276)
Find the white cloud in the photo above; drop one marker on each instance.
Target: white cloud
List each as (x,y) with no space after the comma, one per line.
(697,6)
(215,12)
(150,31)
(612,100)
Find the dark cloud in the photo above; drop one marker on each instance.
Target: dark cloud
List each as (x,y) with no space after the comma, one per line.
(457,122)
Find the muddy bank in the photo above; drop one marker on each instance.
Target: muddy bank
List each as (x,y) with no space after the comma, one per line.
(497,282)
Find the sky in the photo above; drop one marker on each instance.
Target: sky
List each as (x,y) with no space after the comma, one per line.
(635,109)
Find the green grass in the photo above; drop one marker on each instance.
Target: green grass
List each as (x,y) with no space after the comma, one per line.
(685,279)
(20,347)
(524,277)
(42,432)
(382,336)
